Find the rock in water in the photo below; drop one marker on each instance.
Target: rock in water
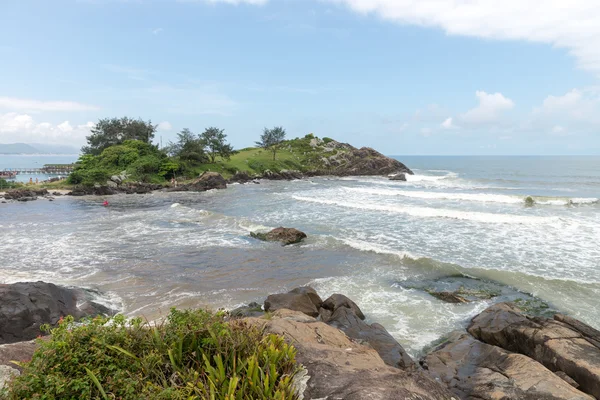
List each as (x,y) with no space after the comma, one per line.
(449,297)
(475,370)
(283,235)
(557,345)
(336,301)
(26,306)
(340,368)
(206,181)
(25,194)
(398,177)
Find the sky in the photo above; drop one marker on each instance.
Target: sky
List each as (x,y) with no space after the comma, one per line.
(406,77)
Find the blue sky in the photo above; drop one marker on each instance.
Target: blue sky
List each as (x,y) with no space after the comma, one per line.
(402,76)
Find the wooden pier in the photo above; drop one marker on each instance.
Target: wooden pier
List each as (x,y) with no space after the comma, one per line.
(45,170)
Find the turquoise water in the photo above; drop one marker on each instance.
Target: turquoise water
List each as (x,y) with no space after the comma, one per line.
(373,239)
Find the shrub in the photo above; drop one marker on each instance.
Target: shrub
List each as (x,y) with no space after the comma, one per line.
(193,355)
(327,140)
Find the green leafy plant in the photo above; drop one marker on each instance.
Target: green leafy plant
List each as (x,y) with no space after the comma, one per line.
(194,354)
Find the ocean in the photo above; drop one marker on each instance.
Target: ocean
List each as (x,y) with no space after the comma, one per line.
(460,223)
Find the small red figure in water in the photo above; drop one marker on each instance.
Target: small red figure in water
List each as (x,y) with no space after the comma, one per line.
(105,204)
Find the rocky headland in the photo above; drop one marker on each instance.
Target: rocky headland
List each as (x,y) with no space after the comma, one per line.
(327,158)
(504,354)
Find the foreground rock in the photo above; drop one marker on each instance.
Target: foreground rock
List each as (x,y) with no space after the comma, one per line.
(555,344)
(475,370)
(340,368)
(26,306)
(304,300)
(284,235)
(342,313)
(398,177)
(25,194)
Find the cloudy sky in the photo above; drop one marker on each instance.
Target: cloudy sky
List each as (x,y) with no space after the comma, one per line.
(403,76)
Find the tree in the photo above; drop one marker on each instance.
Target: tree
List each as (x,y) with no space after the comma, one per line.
(214,141)
(271,139)
(188,147)
(111,131)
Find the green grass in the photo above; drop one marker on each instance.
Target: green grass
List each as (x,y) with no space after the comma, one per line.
(193,355)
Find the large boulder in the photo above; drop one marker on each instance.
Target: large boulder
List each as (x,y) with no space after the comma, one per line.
(398,177)
(284,235)
(304,300)
(26,306)
(338,367)
(337,300)
(390,351)
(555,344)
(475,370)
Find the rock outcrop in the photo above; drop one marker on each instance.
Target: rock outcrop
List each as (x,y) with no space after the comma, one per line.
(475,370)
(557,345)
(26,306)
(206,181)
(342,313)
(25,194)
(398,177)
(284,235)
(338,367)
(129,188)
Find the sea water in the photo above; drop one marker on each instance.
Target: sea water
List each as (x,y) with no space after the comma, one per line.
(381,242)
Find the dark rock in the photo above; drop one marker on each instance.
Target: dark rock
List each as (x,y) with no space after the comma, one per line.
(25,306)
(283,235)
(398,177)
(475,370)
(241,177)
(296,301)
(336,301)
(206,181)
(449,297)
(251,310)
(310,292)
(92,191)
(339,368)
(24,194)
(556,345)
(391,352)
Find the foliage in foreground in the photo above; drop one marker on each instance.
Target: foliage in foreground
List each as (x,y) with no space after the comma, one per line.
(193,355)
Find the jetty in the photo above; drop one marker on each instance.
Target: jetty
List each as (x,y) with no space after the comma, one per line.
(50,169)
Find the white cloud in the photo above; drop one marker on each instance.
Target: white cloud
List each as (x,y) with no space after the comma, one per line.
(447,124)
(157,31)
(575,111)
(489,110)
(165,126)
(15,127)
(13,103)
(569,24)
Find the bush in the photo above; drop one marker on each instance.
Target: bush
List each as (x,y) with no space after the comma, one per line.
(327,140)
(193,355)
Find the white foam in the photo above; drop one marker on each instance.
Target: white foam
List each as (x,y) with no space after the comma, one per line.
(482,197)
(375,248)
(425,212)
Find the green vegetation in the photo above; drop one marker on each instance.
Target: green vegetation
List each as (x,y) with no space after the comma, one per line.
(123,147)
(141,161)
(4,184)
(114,131)
(535,307)
(192,355)
(271,139)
